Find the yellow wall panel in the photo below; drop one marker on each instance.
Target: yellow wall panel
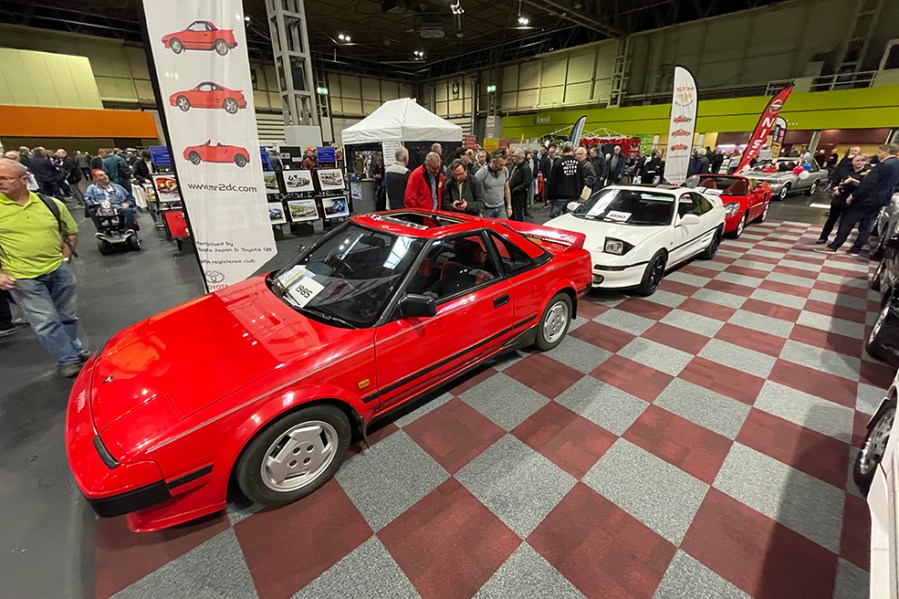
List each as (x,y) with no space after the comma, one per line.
(510,77)
(552,95)
(554,71)
(578,92)
(528,98)
(529,75)
(580,66)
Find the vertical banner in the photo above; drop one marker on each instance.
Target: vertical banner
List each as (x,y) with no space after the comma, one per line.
(763,128)
(199,51)
(683,124)
(777,138)
(578,131)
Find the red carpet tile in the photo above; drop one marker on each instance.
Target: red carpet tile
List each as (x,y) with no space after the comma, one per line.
(839,288)
(600,335)
(772,310)
(696,268)
(603,550)
(454,434)
(676,337)
(645,308)
(285,553)
(849,346)
(587,308)
(732,288)
(678,287)
(828,386)
(811,452)
(757,554)
(448,544)
(751,339)
(570,441)
(842,272)
(836,311)
(638,380)
(796,272)
(750,255)
(856,539)
(725,380)
(692,448)
(544,375)
(785,288)
(877,374)
(746,272)
(708,309)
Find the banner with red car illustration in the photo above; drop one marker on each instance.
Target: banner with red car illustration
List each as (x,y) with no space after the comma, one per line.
(684,102)
(200,53)
(763,128)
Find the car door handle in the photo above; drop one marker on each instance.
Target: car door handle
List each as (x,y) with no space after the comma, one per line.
(501,300)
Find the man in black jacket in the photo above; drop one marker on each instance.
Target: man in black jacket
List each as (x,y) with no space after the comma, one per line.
(566,181)
(46,173)
(520,184)
(395,177)
(462,192)
(865,203)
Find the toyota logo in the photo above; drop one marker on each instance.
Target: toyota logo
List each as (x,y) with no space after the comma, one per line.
(214,276)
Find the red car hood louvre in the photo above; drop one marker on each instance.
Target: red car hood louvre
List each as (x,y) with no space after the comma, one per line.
(204,350)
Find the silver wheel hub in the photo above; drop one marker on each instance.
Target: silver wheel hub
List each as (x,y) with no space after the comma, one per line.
(299,456)
(554,325)
(878,324)
(876,444)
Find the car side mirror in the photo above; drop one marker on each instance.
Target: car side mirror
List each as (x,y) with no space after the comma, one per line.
(415,305)
(572,206)
(688,219)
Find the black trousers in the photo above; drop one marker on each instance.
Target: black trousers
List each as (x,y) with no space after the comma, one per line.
(836,211)
(864,217)
(5,312)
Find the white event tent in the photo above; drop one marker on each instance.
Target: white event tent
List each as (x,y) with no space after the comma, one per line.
(401,120)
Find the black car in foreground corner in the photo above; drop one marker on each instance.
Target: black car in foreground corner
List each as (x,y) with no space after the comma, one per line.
(883,342)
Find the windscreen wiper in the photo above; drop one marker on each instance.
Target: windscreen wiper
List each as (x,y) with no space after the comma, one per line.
(327,316)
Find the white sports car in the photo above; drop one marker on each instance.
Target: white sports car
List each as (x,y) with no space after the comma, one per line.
(635,234)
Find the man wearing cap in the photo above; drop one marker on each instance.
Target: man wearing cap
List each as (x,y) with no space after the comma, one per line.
(34,246)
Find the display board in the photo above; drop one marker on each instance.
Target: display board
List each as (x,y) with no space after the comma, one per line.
(201,68)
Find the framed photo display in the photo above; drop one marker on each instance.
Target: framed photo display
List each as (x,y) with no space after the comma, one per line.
(330,179)
(336,207)
(302,210)
(298,181)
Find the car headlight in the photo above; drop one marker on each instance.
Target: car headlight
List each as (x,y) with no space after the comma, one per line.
(616,246)
(731,208)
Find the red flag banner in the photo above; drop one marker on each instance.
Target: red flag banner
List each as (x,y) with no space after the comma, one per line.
(763,128)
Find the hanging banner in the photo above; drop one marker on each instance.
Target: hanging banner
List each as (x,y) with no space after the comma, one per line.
(578,131)
(199,51)
(777,138)
(763,128)
(683,124)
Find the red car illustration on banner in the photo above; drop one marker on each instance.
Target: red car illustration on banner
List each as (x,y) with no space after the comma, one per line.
(201,35)
(682,119)
(678,147)
(209,95)
(680,133)
(217,153)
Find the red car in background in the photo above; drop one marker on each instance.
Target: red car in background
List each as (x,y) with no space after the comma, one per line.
(267,382)
(745,200)
(209,95)
(201,35)
(217,153)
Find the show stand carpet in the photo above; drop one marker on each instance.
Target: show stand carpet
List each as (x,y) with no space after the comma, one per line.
(693,444)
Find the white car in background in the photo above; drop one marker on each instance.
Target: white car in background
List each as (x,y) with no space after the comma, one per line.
(635,234)
(876,472)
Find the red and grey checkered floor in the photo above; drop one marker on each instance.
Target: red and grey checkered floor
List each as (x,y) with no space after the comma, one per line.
(694,444)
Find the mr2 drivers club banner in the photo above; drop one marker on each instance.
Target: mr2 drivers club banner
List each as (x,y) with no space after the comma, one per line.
(200,52)
(683,124)
(763,128)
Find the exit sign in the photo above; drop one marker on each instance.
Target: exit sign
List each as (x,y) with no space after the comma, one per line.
(491,89)
(322,91)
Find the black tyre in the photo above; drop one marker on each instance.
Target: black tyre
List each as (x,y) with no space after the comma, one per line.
(554,322)
(735,234)
(653,275)
(873,447)
(230,106)
(874,343)
(294,456)
(183,103)
(709,252)
(105,247)
(764,215)
(176,45)
(194,158)
(221,47)
(784,192)
(240,160)
(134,243)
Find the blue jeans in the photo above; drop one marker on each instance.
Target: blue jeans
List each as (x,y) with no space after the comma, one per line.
(50,305)
(558,208)
(498,212)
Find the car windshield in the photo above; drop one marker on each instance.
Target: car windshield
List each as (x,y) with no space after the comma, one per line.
(629,206)
(347,277)
(729,186)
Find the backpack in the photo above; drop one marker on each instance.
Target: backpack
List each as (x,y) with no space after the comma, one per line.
(54,209)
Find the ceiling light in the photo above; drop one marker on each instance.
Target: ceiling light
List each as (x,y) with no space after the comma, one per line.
(456,7)
(522,20)
(419,53)
(247,19)
(343,37)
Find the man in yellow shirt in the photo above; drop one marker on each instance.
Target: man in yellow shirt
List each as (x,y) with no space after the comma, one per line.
(34,247)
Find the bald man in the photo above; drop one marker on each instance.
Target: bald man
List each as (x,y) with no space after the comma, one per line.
(38,235)
(424,191)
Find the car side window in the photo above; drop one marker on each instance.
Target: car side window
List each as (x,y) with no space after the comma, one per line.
(685,205)
(702,204)
(511,256)
(197,27)
(206,87)
(453,267)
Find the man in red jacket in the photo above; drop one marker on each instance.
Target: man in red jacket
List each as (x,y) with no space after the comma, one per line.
(424,190)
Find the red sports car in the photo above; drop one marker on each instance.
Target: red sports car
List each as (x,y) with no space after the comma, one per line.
(267,382)
(201,35)
(677,147)
(682,119)
(680,133)
(745,201)
(209,95)
(217,153)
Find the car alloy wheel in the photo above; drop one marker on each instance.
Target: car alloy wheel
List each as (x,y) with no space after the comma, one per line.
(298,456)
(783,192)
(741,225)
(554,322)
(873,447)
(240,160)
(813,188)
(221,47)
(194,158)
(713,246)
(652,276)
(176,46)
(878,324)
(183,103)
(230,106)
(764,214)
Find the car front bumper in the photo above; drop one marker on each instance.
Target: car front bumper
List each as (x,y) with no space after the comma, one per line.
(617,277)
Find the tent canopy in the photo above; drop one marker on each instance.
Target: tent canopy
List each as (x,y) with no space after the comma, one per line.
(401,120)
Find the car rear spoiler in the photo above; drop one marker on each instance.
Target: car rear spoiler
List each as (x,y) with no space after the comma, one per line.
(570,239)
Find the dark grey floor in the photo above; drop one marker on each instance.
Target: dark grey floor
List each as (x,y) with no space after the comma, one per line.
(45,523)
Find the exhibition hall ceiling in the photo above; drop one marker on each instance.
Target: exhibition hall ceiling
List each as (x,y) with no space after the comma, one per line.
(410,39)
